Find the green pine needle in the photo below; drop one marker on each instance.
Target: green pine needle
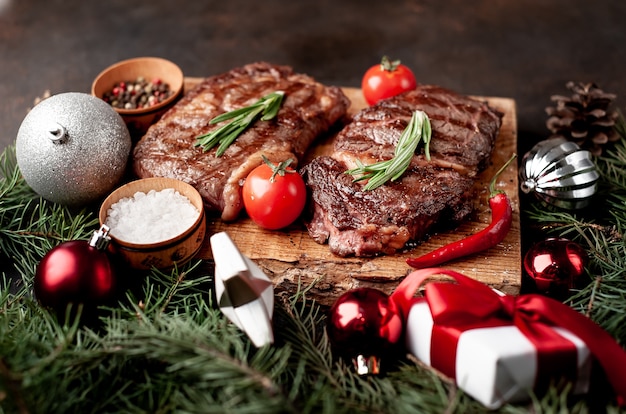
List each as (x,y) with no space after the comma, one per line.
(29,225)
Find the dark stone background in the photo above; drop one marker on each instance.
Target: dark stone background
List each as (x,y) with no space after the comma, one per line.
(524,49)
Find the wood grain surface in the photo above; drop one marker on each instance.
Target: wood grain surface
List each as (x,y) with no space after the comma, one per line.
(292,259)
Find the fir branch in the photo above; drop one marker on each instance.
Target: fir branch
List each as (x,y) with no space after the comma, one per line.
(29,225)
(190,358)
(12,184)
(166,347)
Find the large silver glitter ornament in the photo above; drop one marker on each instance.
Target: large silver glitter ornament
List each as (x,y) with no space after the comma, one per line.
(72,148)
(559,173)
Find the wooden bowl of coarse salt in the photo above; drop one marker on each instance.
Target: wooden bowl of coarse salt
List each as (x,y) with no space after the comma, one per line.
(155,222)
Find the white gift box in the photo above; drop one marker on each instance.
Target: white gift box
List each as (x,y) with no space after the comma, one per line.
(494,365)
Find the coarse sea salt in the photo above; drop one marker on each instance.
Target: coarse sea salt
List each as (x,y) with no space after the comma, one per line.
(151,217)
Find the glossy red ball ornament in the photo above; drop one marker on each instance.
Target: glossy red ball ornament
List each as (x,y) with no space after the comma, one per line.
(364,325)
(555,265)
(77,272)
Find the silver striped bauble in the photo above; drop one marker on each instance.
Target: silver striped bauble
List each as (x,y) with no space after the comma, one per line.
(560,173)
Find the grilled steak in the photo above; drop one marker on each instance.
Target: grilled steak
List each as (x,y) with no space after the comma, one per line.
(382,221)
(167,149)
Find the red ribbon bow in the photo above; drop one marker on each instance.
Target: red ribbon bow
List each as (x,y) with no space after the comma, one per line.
(469,301)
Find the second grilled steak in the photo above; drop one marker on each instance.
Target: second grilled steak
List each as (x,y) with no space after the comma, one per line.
(464,129)
(382,221)
(167,149)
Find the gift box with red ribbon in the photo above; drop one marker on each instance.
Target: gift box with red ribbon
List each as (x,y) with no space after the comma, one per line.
(497,364)
(501,348)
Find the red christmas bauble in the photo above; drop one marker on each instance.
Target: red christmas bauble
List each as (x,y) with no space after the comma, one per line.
(555,265)
(74,272)
(364,325)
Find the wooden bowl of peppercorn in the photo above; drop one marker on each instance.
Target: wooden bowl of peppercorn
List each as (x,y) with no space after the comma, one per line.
(141,90)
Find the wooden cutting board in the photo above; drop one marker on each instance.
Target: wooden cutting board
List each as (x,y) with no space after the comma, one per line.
(292,259)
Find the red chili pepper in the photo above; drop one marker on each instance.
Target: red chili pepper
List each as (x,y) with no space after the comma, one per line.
(501,218)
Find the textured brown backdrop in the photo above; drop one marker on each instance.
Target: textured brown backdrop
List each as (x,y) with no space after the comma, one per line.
(523,49)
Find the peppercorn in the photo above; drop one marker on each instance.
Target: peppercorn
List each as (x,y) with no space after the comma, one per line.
(137,94)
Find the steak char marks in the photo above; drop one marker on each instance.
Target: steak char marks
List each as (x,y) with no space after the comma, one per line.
(430,193)
(167,149)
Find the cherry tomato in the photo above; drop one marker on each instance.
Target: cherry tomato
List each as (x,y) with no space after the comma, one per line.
(274,195)
(387,79)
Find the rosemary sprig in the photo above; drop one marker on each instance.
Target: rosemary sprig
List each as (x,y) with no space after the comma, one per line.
(379,173)
(264,109)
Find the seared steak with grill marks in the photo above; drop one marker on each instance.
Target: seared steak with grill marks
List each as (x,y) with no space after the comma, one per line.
(167,149)
(382,221)
(368,223)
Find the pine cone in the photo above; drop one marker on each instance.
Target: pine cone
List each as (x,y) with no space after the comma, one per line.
(584,117)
